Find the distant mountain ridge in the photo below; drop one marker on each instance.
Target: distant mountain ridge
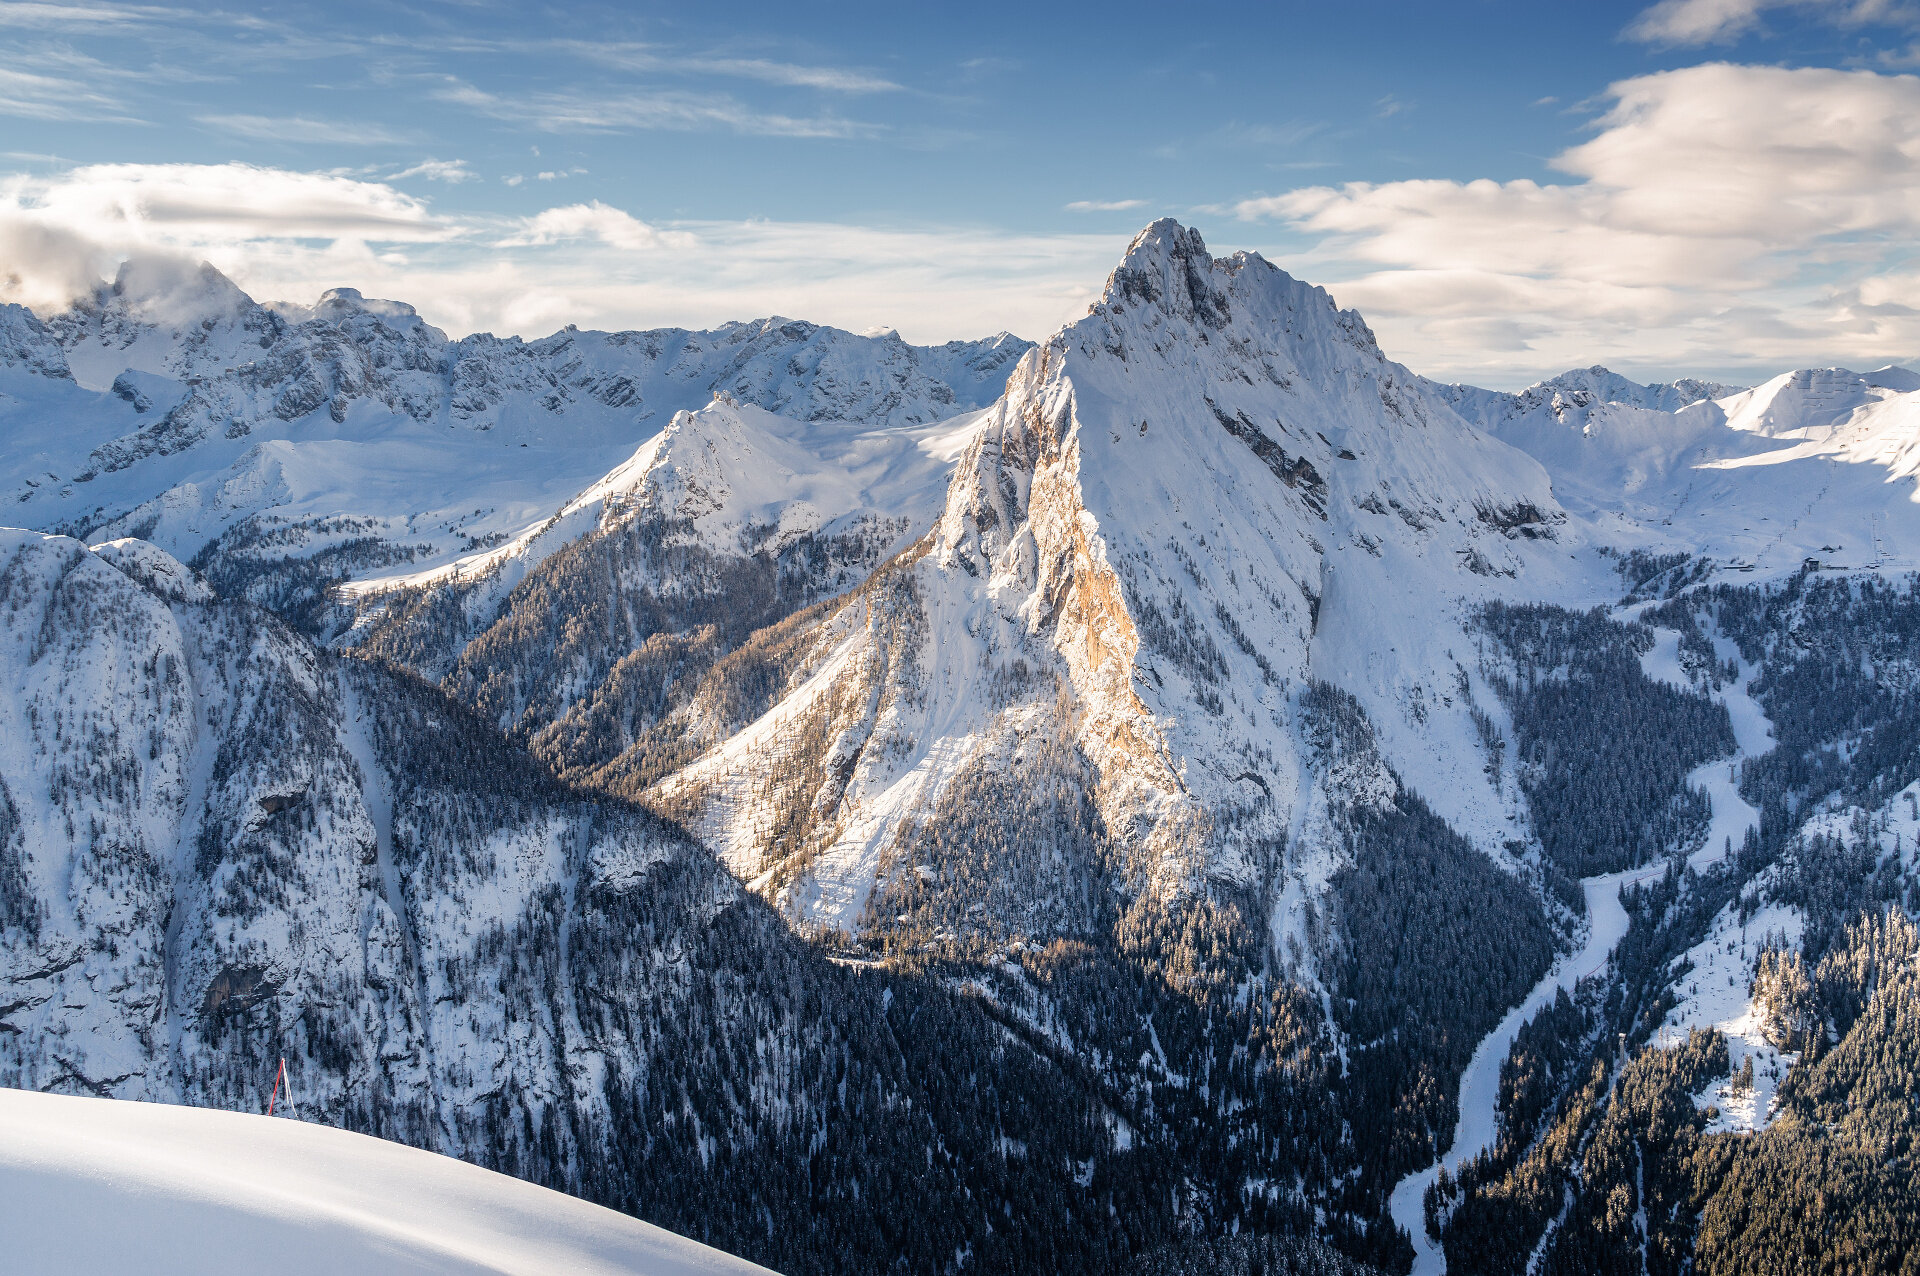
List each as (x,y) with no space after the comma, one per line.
(284,447)
(1578,389)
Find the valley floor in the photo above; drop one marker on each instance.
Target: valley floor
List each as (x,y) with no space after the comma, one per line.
(1733,815)
(1480,1086)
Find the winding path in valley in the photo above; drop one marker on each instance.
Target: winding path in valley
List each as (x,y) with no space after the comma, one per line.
(1480,1085)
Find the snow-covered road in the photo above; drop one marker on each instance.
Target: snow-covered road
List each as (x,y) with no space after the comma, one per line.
(1732,817)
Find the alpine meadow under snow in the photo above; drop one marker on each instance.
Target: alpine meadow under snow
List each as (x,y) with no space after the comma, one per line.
(1188,795)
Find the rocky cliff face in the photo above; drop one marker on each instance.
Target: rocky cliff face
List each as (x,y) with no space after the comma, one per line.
(1136,560)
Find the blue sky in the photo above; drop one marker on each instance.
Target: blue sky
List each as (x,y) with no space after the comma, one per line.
(1705,186)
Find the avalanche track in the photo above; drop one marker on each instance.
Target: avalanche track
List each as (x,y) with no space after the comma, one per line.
(1480,1085)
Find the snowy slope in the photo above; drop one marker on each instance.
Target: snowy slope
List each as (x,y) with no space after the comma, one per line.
(734,480)
(1818,463)
(1571,396)
(353,434)
(101,1186)
(1210,490)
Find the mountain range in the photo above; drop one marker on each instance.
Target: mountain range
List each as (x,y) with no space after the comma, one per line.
(1113,789)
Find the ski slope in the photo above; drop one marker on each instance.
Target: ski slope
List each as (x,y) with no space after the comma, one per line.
(105,1186)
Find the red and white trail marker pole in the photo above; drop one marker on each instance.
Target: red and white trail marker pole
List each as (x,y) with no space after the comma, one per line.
(280,1079)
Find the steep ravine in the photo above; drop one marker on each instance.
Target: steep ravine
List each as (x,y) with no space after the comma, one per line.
(1478,1124)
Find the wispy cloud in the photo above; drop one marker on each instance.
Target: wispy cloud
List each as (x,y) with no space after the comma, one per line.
(1289,133)
(301,128)
(84,17)
(1696,22)
(976,69)
(1105,205)
(671,110)
(836,79)
(453,172)
(658,59)
(38,96)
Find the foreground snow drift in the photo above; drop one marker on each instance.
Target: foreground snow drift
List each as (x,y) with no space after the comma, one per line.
(100,1185)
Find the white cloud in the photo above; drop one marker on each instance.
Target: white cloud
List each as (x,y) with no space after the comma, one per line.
(289,236)
(1105,205)
(1687,22)
(596,220)
(1724,213)
(452,172)
(229,213)
(44,266)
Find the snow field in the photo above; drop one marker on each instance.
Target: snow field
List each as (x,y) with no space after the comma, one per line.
(105,1186)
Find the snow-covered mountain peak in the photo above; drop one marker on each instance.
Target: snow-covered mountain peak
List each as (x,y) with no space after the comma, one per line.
(1573,397)
(1167,266)
(1896,378)
(155,568)
(1582,386)
(26,344)
(163,316)
(737,480)
(1167,271)
(174,293)
(337,304)
(1812,398)
(737,472)
(1176,495)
